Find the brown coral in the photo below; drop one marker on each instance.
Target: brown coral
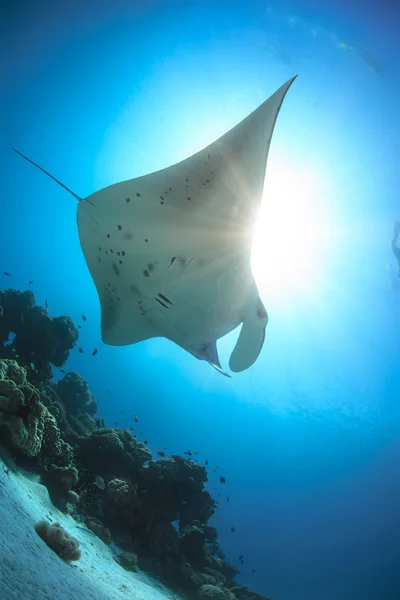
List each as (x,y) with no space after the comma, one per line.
(59,540)
(22,415)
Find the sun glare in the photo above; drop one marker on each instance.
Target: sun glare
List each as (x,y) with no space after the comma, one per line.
(291,234)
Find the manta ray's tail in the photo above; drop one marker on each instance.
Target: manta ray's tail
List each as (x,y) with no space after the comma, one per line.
(49,175)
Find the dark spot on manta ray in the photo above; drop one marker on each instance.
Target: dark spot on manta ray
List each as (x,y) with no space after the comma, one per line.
(146,239)
(186,180)
(146,273)
(119,253)
(108,235)
(120,227)
(162,197)
(100,248)
(128,235)
(137,194)
(133,289)
(99,259)
(161,202)
(112,251)
(159,302)
(120,262)
(165,299)
(115,269)
(123,252)
(127,200)
(150,266)
(189,198)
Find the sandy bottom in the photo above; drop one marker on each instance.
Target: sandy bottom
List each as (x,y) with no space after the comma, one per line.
(30,570)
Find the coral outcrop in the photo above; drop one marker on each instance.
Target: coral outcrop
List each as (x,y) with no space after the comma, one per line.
(39,339)
(59,540)
(157,511)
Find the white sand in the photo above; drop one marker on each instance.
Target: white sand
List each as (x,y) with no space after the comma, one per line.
(30,570)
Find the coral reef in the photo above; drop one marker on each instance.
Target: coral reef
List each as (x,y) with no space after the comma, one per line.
(59,540)
(39,339)
(157,511)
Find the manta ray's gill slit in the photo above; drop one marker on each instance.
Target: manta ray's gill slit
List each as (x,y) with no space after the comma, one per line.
(185,266)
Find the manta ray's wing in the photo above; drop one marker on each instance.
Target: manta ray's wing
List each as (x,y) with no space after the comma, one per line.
(170,252)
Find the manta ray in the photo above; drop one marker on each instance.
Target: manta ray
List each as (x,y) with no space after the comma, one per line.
(170,252)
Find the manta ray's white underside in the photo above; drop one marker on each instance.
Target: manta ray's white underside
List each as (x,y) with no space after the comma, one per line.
(170,252)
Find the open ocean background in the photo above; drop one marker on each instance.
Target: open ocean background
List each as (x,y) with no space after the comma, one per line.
(309,437)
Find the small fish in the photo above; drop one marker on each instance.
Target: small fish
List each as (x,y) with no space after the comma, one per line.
(85,529)
(62,370)
(164,447)
(46,305)
(189,453)
(80,350)
(145,442)
(8,274)
(185,453)
(206,463)
(99,482)
(196,453)
(136,419)
(233,529)
(79,327)
(162,454)
(222,479)
(253,570)
(30,282)
(94,352)
(214,469)
(83,318)
(228,499)
(22,317)
(108,392)
(132,428)
(116,423)
(32,366)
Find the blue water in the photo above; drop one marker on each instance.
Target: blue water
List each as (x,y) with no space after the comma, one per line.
(308,438)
